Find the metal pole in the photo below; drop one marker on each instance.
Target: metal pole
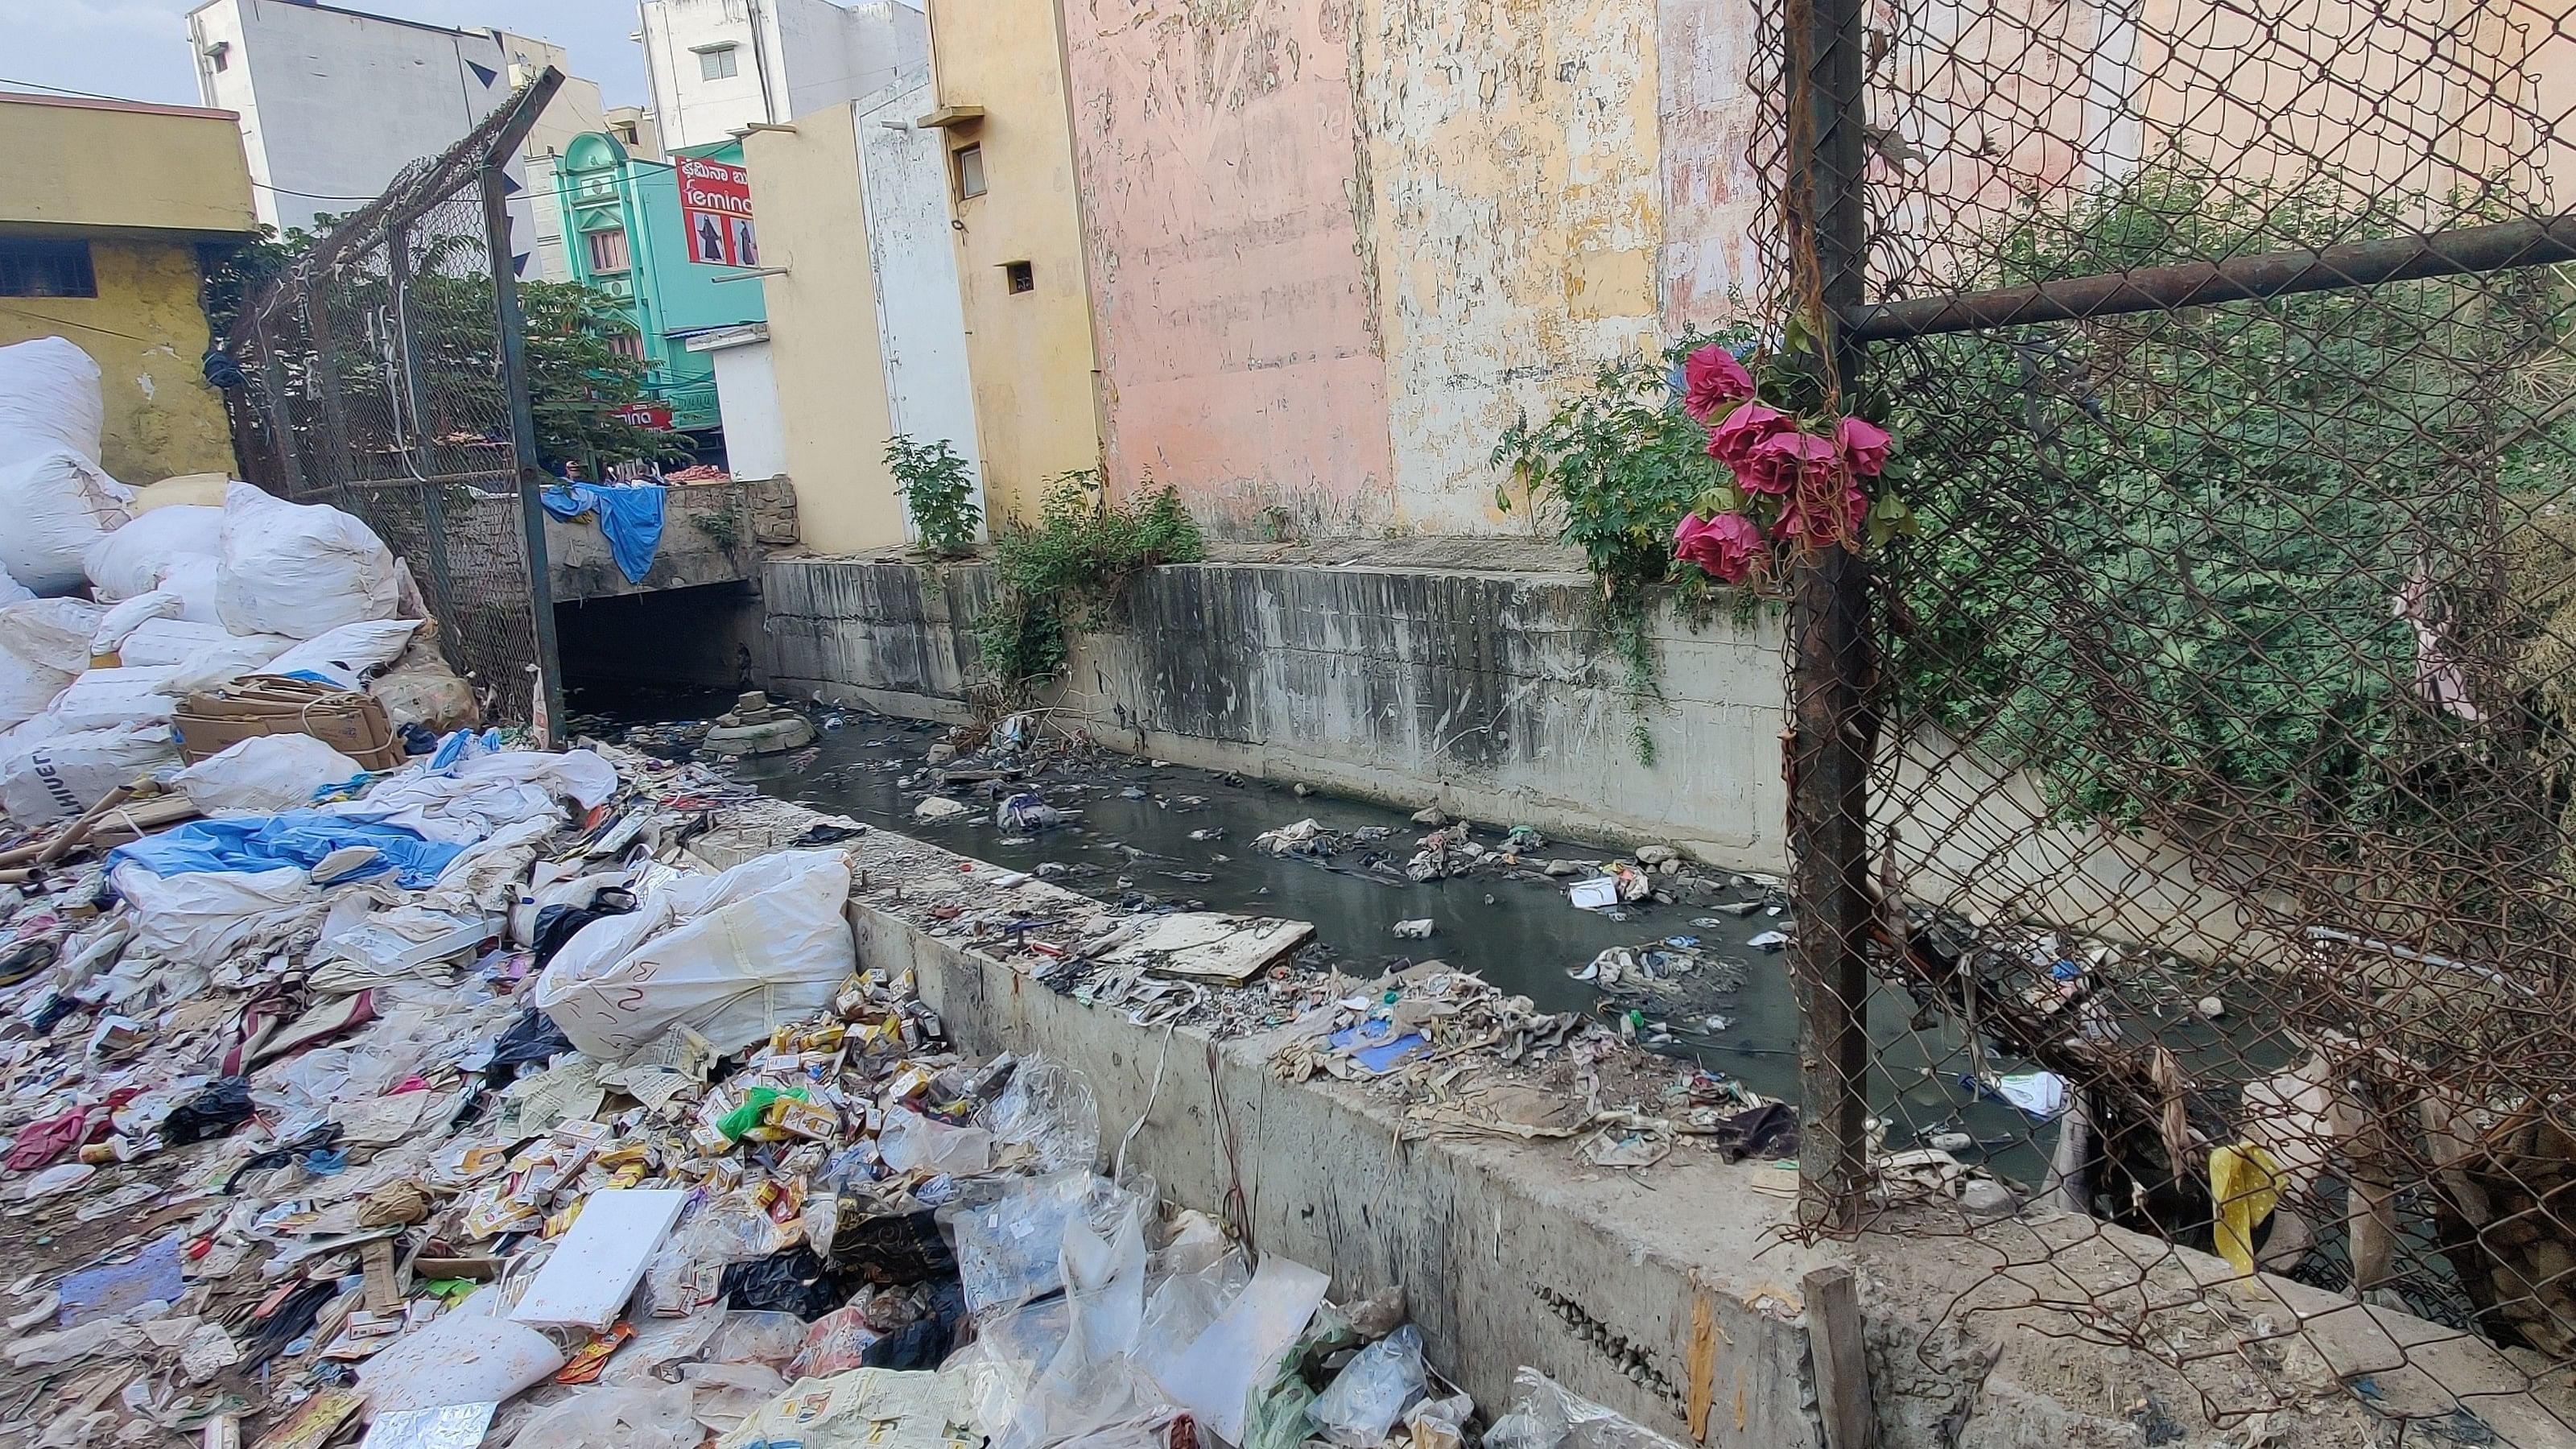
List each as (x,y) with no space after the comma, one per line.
(2456,252)
(1832,733)
(523,446)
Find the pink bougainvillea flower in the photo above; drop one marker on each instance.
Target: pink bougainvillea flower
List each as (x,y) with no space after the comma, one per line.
(1713,378)
(1725,547)
(1732,441)
(1781,462)
(1863,445)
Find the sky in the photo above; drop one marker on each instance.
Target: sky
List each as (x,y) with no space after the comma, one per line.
(137,50)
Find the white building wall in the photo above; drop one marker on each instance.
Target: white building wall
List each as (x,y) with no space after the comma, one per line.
(790,57)
(747,395)
(921,321)
(335,103)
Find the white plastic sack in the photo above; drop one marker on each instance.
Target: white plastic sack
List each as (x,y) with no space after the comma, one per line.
(59,777)
(347,655)
(52,632)
(49,399)
(198,917)
(53,506)
(726,956)
(12,591)
(131,560)
(298,569)
(265,774)
(118,624)
(27,689)
(105,698)
(196,579)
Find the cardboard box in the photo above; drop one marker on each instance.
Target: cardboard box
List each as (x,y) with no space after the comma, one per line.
(211,721)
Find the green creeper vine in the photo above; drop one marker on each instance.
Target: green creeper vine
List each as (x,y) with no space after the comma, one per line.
(1066,572)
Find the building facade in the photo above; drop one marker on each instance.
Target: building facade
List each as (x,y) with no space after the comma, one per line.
(716,66)
(335,103)
(624,234)
(119,209)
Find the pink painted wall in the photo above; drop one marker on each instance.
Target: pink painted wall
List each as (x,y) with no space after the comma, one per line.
(1215,148)
(1711,197)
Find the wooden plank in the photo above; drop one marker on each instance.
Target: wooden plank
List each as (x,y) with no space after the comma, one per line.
(1841,1360)
(1211,946)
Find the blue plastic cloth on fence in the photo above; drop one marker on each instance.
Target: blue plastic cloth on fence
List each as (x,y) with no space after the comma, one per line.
(297,838)
(630,514)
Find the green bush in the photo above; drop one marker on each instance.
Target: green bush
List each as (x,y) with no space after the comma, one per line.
(1068,570)
(938,491)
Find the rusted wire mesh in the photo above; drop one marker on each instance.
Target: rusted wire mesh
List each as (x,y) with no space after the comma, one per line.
(380,378)
(2221,720)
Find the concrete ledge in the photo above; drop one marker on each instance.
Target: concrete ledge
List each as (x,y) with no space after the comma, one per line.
(1674,1296)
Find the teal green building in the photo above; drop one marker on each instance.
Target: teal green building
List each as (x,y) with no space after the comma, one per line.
(622,233)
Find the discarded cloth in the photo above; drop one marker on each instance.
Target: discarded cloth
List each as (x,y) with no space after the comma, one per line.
(629,514)
(480,792)
(2244,1185)
(299,838)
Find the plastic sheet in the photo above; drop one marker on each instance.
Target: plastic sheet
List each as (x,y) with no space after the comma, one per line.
(465,1356)
(1050,1113)
(631,1417)
(1372,1391)
(757,1336)
(912,1142)
(1008,1249)
(1544,1416)
(1213,1378)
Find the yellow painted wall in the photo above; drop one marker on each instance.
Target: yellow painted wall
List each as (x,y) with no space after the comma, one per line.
(1031,354)
(147,334)
(823,331)
(87,165)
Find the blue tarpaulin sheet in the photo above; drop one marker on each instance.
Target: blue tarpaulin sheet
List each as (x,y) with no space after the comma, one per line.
(295,838)
(629,513)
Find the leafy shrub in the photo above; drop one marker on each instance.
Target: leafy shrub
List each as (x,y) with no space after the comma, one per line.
(938,491)
(1068,570)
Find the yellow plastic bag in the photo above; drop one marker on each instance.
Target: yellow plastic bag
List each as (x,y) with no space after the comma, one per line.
(2244,1185)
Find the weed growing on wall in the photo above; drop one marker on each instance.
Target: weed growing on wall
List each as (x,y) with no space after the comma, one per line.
(1614,468)
(1066,573)
(938,491)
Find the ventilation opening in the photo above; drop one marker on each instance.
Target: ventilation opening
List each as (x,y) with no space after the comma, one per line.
(1019,277)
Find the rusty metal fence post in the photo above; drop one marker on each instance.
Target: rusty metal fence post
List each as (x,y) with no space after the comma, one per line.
(1828,748)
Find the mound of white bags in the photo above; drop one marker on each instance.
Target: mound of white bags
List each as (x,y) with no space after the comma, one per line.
(12,591)
(298,569)
(265,774)
(48,399)
(53,506)
(131,560)
(727,956)
(119,623)
(27,688)
(60,776)
(104,698)
(52,632)
(346,656)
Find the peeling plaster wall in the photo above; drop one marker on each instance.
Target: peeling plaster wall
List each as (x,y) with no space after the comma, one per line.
(1711,195)
(1216,149)
(146,332)
(1511,147)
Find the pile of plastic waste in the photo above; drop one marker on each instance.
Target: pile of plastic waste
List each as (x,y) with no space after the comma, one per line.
(117,603)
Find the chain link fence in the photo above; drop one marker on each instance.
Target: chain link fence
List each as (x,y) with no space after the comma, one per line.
(2184,816)
(383,375)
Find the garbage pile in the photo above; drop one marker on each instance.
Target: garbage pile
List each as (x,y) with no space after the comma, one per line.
(129,618)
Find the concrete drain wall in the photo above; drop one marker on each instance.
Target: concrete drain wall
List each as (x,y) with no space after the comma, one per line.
(1673,1295)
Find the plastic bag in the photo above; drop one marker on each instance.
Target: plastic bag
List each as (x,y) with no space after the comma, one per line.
(265,774)
(131,560)
(49,399)
(910,1141)
(661,1346)
(214,1112)
(27,689)
(298,569)
(757,1336)
(1544,1416)
(795,1282)
(196,579)
(60,775)
(12,591)
(197,918)
(346,656)
(119,623)
(1049,1111)
(727,957)
(57,504)
(98,699)
(1008,1250)
(1372,1391)
(834,1343)
(629,1417)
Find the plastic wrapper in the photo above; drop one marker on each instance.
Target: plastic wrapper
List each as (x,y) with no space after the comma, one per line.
(757,1336)
(1007,1249)
(725,1394)
(1544,1416)
(795,1281)
(1049,1112)
(1372,1391)
(661,1347)
(634,1417)
(912,1142)
(834,1343)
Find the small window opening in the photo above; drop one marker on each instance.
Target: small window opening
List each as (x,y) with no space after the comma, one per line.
(1019,277)
(969,162)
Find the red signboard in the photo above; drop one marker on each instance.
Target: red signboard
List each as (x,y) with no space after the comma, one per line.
(715,210)
(644,415)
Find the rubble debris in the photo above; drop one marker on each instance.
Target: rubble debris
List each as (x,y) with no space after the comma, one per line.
(754,726)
